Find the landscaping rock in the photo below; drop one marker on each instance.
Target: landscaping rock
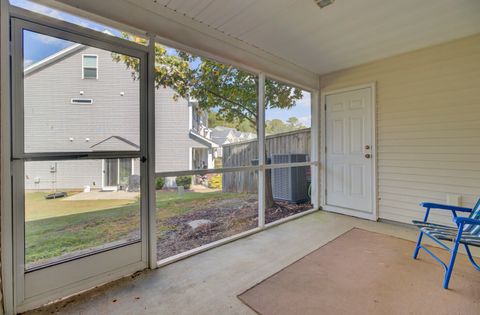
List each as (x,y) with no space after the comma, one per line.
(196,224)
(228,217)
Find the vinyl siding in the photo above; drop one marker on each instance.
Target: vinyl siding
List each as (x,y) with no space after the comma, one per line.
(73,174)
(53,124)
(51,120)
(428,130)
(172,140)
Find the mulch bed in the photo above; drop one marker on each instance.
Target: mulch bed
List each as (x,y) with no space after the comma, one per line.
(228,217)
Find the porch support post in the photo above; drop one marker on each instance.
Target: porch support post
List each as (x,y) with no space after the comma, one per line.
(261,149)
(315,154)
(152,219)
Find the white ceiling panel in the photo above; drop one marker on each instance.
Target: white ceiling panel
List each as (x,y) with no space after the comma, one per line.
(219,14)
(342,35)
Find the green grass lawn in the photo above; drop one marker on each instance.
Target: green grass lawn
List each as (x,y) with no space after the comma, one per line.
(80,228)
(37,207)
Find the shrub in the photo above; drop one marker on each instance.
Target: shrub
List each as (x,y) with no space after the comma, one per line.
(184,181)
(160,182)
(215,182)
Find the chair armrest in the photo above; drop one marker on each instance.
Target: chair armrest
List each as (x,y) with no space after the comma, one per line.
(432,205)
(453,209)
(460,220)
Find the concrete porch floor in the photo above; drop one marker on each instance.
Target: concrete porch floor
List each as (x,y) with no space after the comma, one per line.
(209,283)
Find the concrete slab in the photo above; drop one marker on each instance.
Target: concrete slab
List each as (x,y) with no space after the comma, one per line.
(104,195)
(209,283)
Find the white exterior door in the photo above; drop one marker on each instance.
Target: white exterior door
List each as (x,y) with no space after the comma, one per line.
(349,153)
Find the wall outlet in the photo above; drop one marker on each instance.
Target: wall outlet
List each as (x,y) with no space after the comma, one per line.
(454,200)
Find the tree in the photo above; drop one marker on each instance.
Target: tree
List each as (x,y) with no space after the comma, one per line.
(228,91)
(295,123)
(243,126)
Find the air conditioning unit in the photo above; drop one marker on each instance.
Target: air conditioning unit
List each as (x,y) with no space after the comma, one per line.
(290,184)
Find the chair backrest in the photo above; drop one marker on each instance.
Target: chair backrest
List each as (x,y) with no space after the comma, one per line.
(475,214)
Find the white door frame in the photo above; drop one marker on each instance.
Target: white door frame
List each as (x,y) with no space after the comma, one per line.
(132,172)
(104,173)
(323,127)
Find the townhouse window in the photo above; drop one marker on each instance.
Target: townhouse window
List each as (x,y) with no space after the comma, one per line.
(90,67)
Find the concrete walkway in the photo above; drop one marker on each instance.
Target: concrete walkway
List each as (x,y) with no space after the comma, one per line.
(209,283)
(104,195)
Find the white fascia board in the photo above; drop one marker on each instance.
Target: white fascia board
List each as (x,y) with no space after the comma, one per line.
(52,58)
(181,32)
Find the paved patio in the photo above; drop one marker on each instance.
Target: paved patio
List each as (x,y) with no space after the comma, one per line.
(209,283)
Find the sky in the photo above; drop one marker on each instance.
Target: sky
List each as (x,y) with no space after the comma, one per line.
(38,47)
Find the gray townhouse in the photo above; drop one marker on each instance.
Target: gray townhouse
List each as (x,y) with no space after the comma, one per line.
(99,99)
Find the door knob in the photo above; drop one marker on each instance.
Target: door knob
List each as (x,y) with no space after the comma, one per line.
(367,156)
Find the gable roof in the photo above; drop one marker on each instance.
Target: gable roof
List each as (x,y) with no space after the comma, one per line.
(70,50)
(115,143)
(220,135)
(202,140)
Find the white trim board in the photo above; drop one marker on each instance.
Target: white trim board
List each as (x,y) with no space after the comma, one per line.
(324,94)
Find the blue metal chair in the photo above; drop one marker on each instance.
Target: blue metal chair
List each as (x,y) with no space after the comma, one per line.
(467,233)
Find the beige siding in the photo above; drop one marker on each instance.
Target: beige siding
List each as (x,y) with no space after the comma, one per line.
(428,125)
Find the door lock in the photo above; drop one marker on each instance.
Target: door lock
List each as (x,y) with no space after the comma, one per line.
(367,147)
(367,156)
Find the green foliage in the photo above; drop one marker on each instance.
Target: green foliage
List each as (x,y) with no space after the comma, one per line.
(228,91)
(215,182)
(275,126)
(185,181)
(159,182)
(244,126)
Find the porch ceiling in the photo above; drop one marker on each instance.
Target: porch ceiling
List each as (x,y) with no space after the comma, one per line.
(342,35)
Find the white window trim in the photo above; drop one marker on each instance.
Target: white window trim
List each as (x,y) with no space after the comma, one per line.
(83,66)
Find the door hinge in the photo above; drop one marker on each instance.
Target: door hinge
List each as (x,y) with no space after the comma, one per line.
(10,48)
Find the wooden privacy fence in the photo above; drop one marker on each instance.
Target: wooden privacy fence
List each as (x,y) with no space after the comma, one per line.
(246,153)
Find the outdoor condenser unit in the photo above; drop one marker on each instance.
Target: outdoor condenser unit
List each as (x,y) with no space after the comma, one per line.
(290,184)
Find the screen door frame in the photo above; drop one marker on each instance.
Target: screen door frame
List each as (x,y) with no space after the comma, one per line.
(38,286)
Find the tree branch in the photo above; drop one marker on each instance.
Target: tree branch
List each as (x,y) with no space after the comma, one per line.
(230,101)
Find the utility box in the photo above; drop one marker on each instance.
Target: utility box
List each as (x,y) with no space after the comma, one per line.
(290,183)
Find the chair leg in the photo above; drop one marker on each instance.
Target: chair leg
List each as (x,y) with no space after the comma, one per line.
(470,257)
(417,248)
(450,266)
